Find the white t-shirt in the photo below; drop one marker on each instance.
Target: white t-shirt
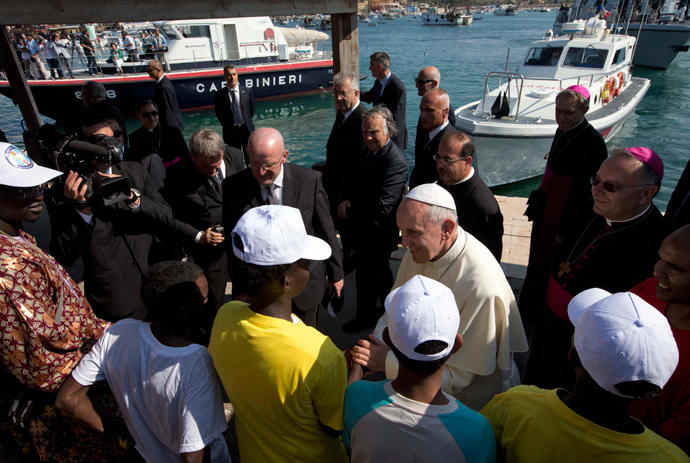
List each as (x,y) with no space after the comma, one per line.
(169,396)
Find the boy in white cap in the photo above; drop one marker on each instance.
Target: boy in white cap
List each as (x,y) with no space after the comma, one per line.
(410,419)
(623,350)
(285,380)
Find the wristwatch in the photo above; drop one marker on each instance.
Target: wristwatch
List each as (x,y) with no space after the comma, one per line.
(135,195)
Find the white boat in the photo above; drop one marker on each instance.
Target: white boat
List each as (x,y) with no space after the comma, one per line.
(661,38)
(439,17)
(508,11)
(513,125)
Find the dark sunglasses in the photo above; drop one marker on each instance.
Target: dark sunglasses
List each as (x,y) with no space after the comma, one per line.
(610,187)
(152,113)
(422,82)
(26,193)
(118,133)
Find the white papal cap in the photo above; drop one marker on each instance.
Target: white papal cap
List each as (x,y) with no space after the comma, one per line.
(422,310)
(275,235)
(621,338)
(19,170)
(431,193)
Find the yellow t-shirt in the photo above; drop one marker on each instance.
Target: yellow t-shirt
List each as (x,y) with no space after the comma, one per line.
(534,425)
(282,378)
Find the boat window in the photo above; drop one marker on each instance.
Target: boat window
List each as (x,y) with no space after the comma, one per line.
(193,31)
(168,32)
(585,58)
(619,57)
(543,56)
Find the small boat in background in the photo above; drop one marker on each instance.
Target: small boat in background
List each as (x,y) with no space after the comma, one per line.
(512,126)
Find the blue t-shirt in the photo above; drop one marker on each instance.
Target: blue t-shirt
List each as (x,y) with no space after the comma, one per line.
(383,426)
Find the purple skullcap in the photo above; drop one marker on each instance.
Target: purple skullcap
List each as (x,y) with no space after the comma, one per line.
(649,158)
(579,89)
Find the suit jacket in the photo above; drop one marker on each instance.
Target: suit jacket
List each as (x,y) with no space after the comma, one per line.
(224,113)
(678,209)
(111,280)
(342,150)
(422,133)
(111,112)
(375,191)
(424,170)
(302,189)
(167,142)
(394,98)
(479,213)
(166,99)
(151,162)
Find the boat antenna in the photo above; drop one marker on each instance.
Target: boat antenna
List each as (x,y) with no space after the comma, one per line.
(639,32)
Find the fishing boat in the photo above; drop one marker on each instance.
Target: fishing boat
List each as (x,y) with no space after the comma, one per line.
(272,61)
(439,17)
(660,36)
(505,11)
(513,125)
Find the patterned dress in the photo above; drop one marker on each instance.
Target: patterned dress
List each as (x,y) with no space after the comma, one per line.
(46,326)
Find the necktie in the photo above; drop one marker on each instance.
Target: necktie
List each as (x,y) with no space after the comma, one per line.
(379,91)
(338,121)
(272,195)
(218,183)
(236,110)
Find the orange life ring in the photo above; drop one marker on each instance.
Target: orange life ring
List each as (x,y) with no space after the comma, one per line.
(621,79)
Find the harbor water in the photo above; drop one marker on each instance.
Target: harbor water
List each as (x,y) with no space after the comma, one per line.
(463,54)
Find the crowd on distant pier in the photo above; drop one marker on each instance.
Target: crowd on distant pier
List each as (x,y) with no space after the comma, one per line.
(137,366)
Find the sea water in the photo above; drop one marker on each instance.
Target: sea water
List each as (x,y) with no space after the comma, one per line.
(464,55)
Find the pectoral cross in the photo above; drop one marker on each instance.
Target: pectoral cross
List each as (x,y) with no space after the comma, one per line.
(565,268)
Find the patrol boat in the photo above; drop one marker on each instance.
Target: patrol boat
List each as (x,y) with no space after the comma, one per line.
(272,61)
(513,125)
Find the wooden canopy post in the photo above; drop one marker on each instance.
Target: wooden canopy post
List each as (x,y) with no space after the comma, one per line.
(345,42)
(18,84)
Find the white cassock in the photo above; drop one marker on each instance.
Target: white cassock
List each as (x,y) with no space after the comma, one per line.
(490,322)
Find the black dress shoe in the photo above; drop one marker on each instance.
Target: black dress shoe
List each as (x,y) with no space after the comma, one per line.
(359,324)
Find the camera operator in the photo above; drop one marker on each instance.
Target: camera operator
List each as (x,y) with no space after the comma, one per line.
(53,57)
(193,190)
(63,47)
(113,241)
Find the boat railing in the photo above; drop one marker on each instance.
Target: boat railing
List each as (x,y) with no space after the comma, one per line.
(574,80)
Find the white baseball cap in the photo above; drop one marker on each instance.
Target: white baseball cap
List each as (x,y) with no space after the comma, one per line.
(19,170)
(422,310)
(622,338)
(275,235)
(431,193)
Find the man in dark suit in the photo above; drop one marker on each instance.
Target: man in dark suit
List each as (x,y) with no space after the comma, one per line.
(153,137)
(434,116)
(343,147)
(478,211)
(193,190)
(427,79)
(93,96)
(269,180)
(389,91)
(113,241)
(165,97)
(235,110)
(369,206)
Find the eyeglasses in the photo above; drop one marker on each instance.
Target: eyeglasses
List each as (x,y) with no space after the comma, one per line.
(443,160)
(26,193)
(336,93)
(611,188)
(422,81)
(257,166)
(152,113)
(118,133)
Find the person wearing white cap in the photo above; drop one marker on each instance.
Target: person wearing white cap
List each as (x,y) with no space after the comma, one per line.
(490,323)
(411,418)
(45,320)
(623,350)
(285,380)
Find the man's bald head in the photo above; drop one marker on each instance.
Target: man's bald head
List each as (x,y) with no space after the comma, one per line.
(434,108)
(673,268)
(155,69)
(267,154)
(428,78)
